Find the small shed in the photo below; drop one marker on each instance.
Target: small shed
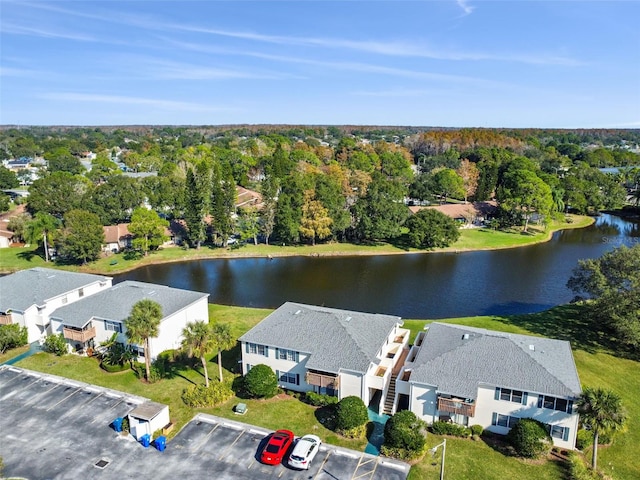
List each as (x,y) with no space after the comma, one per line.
(147,418)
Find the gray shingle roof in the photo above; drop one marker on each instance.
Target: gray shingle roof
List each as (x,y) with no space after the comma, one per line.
(336,339)
(116,302)
(26,288)
(457,366)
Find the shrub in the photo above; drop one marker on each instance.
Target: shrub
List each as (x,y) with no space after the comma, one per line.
(320,400)
(107,367)
(584,439)
(356,432)
(445,428)
(476,430)
(261,382)
(351,412)
(405,431)
(578,469)
(201,396)
(55,344)
(12,336)
(125,424)
(530,438)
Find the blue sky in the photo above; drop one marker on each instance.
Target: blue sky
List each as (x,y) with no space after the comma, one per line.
(464,63)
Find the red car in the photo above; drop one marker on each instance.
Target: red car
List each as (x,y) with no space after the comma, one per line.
(276,447)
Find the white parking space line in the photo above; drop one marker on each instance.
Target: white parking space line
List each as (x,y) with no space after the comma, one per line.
(345,454)
(393,465)
(361,466)
(224,452)
(321,469)
(56,404)
(34,398)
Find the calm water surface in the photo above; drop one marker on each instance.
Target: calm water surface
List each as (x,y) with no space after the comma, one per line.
(436,285)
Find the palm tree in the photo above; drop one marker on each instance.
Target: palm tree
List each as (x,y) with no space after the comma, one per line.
(224,340)
(602,412)
(142,324)
(41,226)
(198,341)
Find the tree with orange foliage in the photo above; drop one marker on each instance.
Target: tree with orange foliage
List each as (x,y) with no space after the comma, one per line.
(469,174)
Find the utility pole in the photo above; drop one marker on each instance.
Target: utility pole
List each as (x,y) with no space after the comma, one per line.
(444,451)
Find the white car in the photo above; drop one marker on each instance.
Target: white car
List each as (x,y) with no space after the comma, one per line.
(304,451)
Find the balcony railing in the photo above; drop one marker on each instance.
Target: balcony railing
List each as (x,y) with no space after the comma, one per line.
(79,335)
(6,319)
(453,405)
(322,380)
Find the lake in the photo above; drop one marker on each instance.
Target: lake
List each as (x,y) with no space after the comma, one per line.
(433,285)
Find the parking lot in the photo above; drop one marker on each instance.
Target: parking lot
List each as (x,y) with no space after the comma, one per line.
(53,428)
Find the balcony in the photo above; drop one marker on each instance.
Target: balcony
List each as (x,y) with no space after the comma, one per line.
(322,380)
(457,406)
(81,336)
(6,319)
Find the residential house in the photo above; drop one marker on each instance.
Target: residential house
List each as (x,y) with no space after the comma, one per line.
(29,297)
(467,214)
(246,198)
(116,238)
(95,319)
(474,376)
(331,351)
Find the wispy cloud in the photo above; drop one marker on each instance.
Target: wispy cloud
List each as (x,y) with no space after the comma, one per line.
(42,32)
(392,48)
(125,100)
(18,72)
(466,8)
(402,92)
(335,65)
(161,69)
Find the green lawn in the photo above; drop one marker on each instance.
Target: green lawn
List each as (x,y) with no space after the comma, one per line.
(595,358)
(12,259)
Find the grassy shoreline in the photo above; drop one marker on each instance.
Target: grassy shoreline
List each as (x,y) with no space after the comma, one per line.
(476,239)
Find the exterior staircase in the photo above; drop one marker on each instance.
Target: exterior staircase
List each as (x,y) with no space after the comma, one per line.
(391,395)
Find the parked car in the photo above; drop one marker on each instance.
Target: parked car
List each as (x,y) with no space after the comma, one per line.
(304,452)
(276,447)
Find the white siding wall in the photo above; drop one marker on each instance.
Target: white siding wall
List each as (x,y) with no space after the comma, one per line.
(279,365)
(351,383)
(36,320)
(422,402)
(170,331)
(487,405)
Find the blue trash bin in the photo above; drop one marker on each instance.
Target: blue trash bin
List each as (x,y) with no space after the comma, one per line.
(160,443)
(117,424)
(145,440)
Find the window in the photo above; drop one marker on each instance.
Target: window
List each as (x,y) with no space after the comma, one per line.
(64,300)
(289,377)
(284,354)
(501,420)
(112,326)
(81,292)
(556,431)
(258,349)
(249,366)
(553,403)
(508,395)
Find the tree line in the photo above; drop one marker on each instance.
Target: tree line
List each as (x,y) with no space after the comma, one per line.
(316,183)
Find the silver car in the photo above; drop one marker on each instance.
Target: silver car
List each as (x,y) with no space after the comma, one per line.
(305,450)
